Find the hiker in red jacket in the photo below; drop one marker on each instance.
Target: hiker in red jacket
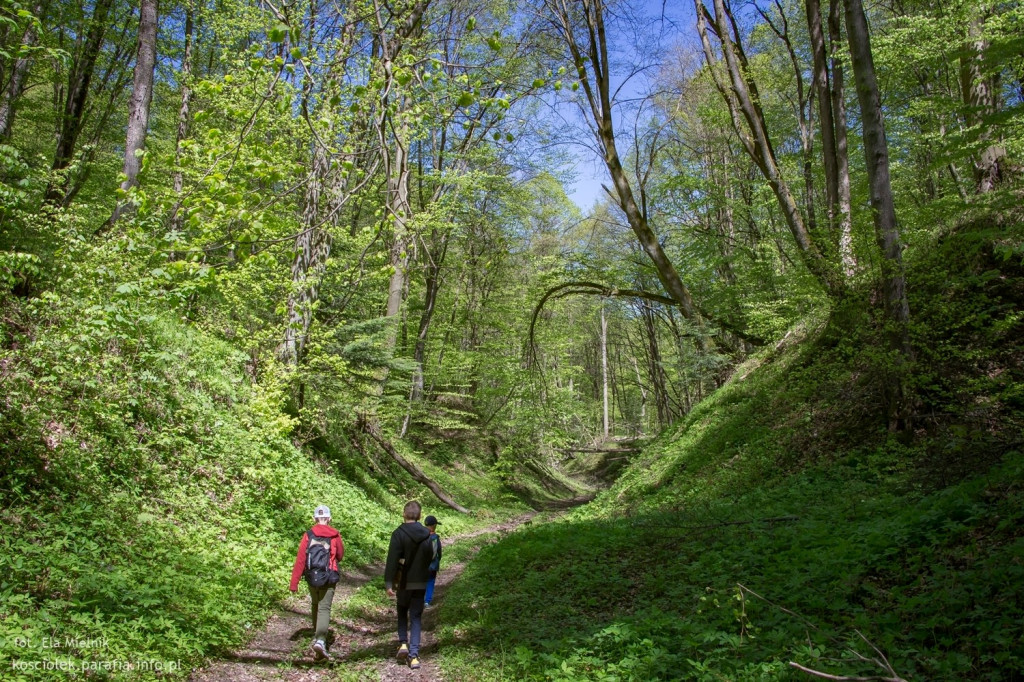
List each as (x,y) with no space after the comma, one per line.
(320,552)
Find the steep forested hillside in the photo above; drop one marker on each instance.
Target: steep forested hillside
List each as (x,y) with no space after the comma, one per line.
(780,523)
(259,256)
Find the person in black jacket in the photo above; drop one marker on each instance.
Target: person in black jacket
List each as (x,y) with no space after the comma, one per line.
(407,572)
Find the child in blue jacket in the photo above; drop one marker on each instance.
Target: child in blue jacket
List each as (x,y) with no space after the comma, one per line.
(431,523)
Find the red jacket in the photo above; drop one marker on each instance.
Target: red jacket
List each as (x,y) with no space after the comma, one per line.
(337,552)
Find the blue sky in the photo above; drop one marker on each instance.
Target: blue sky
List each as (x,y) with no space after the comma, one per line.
(587,188)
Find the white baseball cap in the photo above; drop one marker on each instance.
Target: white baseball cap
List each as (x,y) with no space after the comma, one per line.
(322,512)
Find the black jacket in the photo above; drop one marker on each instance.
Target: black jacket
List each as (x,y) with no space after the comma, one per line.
(409,542)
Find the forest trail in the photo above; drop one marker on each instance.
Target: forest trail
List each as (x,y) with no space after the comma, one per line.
(363,648)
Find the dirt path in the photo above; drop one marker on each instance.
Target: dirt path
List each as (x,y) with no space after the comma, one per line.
(363,647)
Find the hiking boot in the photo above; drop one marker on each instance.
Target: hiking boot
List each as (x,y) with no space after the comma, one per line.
(319,650)
(403,652)
(414,662)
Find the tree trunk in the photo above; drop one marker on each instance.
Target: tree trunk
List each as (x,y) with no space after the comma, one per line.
(826,121)
(803,106)
(138,105)
(643,395)
(722,220)
(370,426)
(604,370)
(876,152)
(76,95)
(19,71)
(980,95)
(433,286)
(400,210)
(392,132)
(398,170)
(594,56)
(312,249)
(832,117)
(185,77)
(838,95)
(655,367)
(327,191)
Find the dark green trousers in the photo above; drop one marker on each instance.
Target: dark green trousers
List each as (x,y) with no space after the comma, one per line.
(321,598)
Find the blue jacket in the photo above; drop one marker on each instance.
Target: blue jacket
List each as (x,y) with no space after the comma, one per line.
(435,550)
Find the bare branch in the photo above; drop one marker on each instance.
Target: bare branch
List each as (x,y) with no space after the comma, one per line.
(849,678)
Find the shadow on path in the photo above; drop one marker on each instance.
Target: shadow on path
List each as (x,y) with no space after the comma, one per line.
(364,645)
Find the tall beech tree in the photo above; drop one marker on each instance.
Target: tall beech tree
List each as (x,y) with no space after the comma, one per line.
(332,179)
(581,25)
(18,71)
(74,94)
(741,93)
(184,108)
(393,133)
(141,98)
(980,87)
(876,153)
(828,85)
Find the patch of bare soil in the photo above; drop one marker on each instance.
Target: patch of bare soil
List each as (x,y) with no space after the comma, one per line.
(363,648)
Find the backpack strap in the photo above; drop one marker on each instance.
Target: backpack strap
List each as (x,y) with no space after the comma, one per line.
(315,539)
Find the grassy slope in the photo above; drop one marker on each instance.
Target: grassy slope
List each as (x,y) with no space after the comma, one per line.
(785,483)
(151,498)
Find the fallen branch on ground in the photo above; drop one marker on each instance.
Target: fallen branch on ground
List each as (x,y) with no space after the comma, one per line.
(826,676)
(373,430)
(882,662)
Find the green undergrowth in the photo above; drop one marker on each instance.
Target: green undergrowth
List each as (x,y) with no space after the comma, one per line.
(934,581)
(151,499)
(151,495)
(779,522)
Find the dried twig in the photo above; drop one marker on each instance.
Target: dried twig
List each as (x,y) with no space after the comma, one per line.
(884,664)
(846,678)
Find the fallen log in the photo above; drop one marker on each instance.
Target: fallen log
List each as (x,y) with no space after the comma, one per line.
(371,428)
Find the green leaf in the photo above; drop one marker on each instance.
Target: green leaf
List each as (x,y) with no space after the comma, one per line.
(278,33)
(403,76)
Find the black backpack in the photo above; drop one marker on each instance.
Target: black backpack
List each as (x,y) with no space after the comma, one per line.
(318,562)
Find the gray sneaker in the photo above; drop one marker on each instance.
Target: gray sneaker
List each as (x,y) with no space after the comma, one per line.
(320,650)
